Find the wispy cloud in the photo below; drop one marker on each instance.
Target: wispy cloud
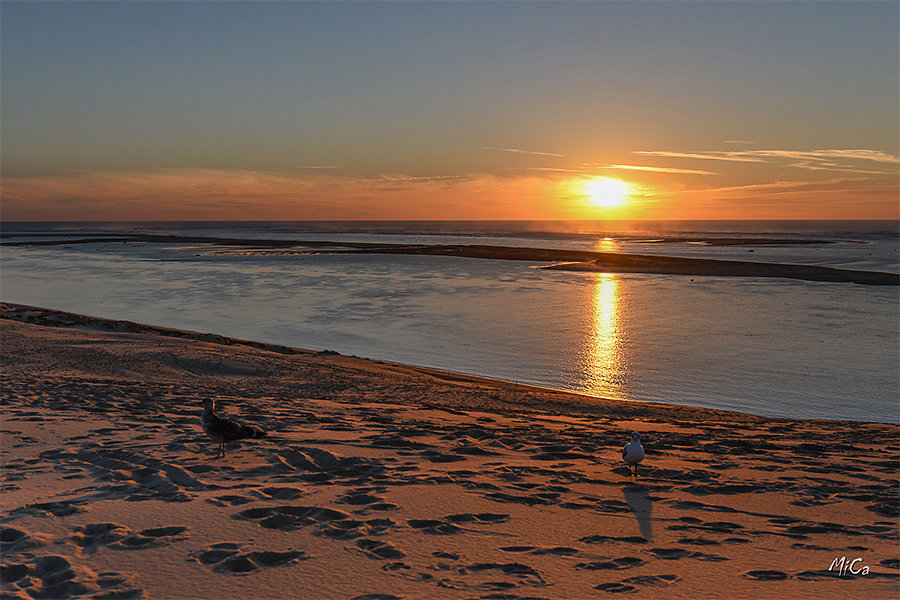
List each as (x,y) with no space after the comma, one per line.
(815,160)
(593,170)
(775,186)
(520,151)
(315,167)
(395,178)
(873,155)
(834,198)
(659,169)
(552,170)
(703,155)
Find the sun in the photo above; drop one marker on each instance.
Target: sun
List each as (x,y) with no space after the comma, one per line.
(606,192)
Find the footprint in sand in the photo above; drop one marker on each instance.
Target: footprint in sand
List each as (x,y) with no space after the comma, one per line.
(625,562)
(448,525)
(377,550)
(327,522)
(615,588)
(651,580)
(401,569)
(766,575)
(226,557)
(230,500)
(61,508)
(529,499)
(483,574)
(708,557)
(436,456)
(361,497)
(603,539)
(278,493)
(478,518)
(669,553)
(14,540)
(55,576)
(322,465)
(433,526)
(826,574)
(90,537)
(698,542)
(555,551)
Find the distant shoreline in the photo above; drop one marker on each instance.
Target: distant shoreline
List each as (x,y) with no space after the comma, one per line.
(569,260)
(532,228)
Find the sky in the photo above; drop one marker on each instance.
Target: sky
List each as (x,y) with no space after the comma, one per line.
(120,111)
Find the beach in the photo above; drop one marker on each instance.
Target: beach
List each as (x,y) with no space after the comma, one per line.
(449,300)
(381,480)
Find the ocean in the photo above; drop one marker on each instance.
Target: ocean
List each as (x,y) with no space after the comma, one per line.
(772,347)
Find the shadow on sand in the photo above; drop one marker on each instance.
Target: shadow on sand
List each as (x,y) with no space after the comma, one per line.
(638,500)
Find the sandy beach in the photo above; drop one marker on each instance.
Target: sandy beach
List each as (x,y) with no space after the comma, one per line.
(382,481)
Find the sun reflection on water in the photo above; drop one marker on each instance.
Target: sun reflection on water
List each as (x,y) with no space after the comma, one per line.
(607,245)
(601,360)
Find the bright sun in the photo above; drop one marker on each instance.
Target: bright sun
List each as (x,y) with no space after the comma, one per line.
(606,192)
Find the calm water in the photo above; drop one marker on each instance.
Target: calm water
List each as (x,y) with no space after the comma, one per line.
(764,346)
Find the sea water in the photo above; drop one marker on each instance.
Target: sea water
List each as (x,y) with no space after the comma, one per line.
(773,347)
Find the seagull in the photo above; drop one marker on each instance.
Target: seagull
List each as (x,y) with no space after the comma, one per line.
(633,453)
(225,430)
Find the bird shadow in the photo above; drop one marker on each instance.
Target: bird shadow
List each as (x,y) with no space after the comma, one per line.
(638,500)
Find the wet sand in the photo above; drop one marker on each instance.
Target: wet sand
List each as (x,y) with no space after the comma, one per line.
(379,480)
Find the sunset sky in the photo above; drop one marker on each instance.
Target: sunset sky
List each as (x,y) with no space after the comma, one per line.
(588,110)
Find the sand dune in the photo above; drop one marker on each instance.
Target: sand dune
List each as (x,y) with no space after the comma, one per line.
(380,481)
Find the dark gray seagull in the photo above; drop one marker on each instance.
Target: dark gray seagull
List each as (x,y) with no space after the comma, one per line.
(633,453)
(225,430)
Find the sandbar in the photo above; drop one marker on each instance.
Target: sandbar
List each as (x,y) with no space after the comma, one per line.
(566,260)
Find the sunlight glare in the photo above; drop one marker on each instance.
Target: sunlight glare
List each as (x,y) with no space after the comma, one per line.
(602,359)
(606,192)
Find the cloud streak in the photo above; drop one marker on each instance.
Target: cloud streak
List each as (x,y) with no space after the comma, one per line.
(815,160)
(672,170)
(520,151)
(736,156)
(835,198)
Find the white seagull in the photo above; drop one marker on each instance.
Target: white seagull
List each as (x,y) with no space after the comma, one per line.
(225,430)
(633,453)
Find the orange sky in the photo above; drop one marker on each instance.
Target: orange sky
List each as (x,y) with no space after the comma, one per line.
(204,194)
(390,111)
